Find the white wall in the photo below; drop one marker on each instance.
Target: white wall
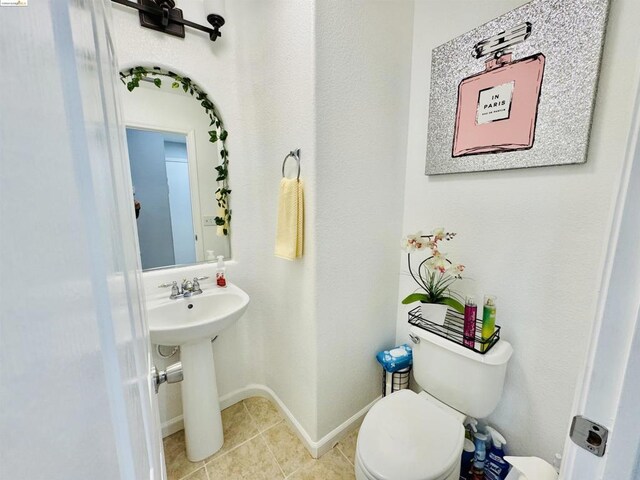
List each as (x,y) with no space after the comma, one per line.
(260,75)
(535,238)
(330,78)
(363,55)
(275,70)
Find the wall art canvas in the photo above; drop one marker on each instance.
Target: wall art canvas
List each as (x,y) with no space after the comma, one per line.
(518,91)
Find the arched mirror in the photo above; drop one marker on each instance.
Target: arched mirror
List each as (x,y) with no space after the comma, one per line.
(179,168)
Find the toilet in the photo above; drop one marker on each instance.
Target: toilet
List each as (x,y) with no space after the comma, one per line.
(419,436)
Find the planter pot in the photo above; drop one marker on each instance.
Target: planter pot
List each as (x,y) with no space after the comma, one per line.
(434,312)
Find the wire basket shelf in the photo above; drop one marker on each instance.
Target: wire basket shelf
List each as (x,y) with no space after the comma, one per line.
(453,330)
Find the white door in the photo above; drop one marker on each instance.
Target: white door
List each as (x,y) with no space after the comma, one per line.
(75,393)
(610,392)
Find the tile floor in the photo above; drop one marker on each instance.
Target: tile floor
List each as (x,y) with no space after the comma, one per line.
(259,445)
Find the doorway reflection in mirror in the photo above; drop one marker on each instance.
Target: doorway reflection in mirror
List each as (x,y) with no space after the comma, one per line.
(160,175)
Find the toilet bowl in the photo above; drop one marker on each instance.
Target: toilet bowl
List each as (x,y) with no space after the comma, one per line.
(407,436)
(410,436)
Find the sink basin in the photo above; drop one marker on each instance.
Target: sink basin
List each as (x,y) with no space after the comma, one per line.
(191,323)
(185,320)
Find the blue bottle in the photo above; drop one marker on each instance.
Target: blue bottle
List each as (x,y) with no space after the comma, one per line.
(496,467)
(479,459)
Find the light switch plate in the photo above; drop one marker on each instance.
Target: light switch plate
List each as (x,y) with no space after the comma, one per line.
(209,221)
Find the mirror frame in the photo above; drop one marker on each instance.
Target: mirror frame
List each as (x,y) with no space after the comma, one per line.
(132,77)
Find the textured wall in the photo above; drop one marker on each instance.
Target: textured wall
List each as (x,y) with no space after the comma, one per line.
(535,238)
(332,79)
(363,54)
(260,75)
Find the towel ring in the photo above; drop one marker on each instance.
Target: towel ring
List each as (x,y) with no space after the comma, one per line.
(296,155)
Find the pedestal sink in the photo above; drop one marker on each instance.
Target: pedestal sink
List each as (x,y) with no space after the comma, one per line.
(191,323)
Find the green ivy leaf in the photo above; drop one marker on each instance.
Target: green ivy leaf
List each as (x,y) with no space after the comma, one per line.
(223,135)
(213,136)
(175,85)
(157,82)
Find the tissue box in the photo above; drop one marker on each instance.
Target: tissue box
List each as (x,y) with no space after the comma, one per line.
(395,359)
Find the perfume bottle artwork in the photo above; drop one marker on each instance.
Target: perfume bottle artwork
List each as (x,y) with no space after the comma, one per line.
(497,108)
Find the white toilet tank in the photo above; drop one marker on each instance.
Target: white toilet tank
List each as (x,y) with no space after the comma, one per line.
(465,380)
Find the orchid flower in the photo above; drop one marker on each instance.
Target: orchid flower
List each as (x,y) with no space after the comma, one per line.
(435,274)
(414,242)
(438,234)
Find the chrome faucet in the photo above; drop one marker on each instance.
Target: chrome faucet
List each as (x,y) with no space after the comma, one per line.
(187,289)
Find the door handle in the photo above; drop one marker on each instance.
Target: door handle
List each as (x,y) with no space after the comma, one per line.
(172,374)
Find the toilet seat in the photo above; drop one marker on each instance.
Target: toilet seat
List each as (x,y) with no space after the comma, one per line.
(404,436)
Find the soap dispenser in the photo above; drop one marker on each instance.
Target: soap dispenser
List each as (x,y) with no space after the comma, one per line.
(221,281)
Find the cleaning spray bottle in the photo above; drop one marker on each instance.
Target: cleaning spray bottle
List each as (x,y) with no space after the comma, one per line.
(479,460)
(470,428)
(221,281)
(496,467)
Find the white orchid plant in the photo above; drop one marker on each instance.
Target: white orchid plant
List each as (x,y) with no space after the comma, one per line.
(437,273)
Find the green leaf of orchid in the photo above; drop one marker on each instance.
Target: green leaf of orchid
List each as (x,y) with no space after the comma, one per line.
(415,297)
(453,303)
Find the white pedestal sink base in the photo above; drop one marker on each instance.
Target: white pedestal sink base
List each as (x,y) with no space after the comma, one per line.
(200,405)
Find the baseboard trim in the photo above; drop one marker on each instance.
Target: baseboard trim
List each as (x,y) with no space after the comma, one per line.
(315,448)
(172,426)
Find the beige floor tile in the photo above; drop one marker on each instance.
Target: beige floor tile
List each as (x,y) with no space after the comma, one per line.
(263,411)
(174,442)
(200,474)
(238,427)
(348,446)
(175,456)
(287,448)
(252,461)
(332,466)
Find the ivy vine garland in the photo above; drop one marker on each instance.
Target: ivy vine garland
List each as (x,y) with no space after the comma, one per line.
(132,77)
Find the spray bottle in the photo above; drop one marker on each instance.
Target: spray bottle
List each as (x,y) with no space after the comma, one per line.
(470,428)
(479,460)
(496,467)
(488,320)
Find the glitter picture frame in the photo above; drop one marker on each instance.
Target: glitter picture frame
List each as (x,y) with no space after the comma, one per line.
(565,38)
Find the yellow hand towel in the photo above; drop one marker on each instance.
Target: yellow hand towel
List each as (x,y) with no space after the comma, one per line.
(290,229)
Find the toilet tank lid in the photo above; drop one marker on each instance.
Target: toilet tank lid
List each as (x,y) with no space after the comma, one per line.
(498,355)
